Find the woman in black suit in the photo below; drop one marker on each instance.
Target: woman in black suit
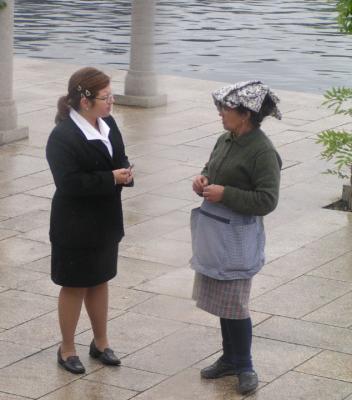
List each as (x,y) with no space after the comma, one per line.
(87,158)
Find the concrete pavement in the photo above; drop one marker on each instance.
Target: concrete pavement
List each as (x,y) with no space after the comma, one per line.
(301,300)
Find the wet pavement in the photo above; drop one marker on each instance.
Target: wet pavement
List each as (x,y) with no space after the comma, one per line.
(301,300)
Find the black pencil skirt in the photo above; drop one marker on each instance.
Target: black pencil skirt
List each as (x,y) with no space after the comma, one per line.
(78,267)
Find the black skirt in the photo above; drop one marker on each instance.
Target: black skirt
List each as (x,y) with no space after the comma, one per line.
(83,267)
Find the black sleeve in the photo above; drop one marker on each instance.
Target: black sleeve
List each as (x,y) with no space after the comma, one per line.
(69,177)
(122,154)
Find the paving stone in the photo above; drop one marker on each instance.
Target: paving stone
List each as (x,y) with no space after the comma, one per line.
(339,268)
(18,165)
(17,251)
(40,374)
(262,283)
(19,307)
(13,277)
(11,352)
(38,234)
(6,396)
(13,206)
(28,182)
(293,386)
(177,283)
(160,250)
(156,227)
(338,312)
(83,389)
(6,233)
(329,364)
(132,272)
(302,231)
(306,333)
(182,234)
(150,183)
(176,309)
(40,265)
(179,190)
(44,286)
(27,222)
(187,385)
(300,296)
(127,378)
(150,165)
(154,205)
(176,351)
(303,260)
(131,332)
(122,299)
(44,191)
(273,358)
(44,331)
(133,218)
(144,149)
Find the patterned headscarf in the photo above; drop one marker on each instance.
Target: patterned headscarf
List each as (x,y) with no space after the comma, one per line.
(250,94)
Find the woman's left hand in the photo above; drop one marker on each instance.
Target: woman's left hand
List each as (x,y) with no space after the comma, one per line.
(213,193)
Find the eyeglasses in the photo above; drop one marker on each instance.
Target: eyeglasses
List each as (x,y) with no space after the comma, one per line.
(107,99)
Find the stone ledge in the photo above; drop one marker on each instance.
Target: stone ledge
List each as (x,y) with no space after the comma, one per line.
(13,135)
(141,101)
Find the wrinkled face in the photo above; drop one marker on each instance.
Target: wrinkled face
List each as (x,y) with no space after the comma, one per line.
(232,120)
(102,104)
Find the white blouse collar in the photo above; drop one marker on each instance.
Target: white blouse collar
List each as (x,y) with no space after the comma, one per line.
(89,131)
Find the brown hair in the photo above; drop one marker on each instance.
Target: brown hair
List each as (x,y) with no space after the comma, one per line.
(86,82)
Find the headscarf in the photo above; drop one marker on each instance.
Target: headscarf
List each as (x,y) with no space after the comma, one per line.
(250,94)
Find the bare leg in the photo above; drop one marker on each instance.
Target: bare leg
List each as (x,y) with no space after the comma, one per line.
(70,304)
(96,302)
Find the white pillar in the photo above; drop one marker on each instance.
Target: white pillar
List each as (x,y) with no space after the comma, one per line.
(141,82)
(9,131)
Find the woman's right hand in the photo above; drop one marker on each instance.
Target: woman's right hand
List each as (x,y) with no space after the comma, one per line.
(199,183)
(122,176)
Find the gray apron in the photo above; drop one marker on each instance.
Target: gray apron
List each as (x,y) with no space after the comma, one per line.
(226,245)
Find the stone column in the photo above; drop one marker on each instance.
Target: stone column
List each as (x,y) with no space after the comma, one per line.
(141,81)
(9,131)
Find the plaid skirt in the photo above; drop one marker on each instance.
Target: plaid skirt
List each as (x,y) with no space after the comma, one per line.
(226,299)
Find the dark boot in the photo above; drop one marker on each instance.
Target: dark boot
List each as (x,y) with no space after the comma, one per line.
(224,365)
(241,339)
(247,381)
(218,369)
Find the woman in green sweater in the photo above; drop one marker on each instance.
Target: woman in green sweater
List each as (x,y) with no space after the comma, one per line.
(239,184)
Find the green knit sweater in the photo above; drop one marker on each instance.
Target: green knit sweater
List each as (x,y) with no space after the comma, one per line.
(248,167)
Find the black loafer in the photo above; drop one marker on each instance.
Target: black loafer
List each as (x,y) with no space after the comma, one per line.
(107,356)
(247,381)
(72,364)
(217,370)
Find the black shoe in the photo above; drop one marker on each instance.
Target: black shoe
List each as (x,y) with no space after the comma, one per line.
(247,381)
(72,364)
(218,369)
(107,356)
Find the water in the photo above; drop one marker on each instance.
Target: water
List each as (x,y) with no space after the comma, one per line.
(291,45)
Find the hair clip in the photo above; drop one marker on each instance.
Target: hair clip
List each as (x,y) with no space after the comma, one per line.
(79,88)
(87,92)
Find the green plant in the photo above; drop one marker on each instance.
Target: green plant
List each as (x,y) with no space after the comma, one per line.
(338,143)
(344,8)
(2,4)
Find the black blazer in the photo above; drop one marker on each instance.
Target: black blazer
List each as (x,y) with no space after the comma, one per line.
(86,208)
